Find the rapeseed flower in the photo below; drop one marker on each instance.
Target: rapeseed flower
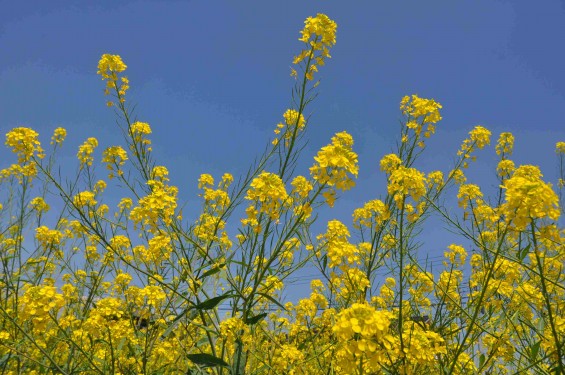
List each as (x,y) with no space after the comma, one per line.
(528,197)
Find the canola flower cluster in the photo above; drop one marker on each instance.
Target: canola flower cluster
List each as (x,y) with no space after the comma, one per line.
(130,286)
(319,35)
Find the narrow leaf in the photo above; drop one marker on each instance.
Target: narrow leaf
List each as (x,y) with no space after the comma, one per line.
(206,360)
(272,300)
(255,319)
(534,349)
(211,271)
(522,253)
(212,302)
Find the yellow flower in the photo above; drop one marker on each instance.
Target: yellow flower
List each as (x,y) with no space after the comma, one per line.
(435,178)
(389,163)
(321,25)
(425,109)
(339,249)
(560,147)
(86,150)
(122,279)
(269,191)
(58,136)
(319,34)
(160,173)
(481,137)
(114,157)
(24,143)
(458,176)
(205,180)
(505,168)
(505,144)
(125,204)
(85,198)
(39,205)
(374,212)
(406,182)
(528,197)
(153,294)
(456,251)
(138,132)
(364,320)
(227,179)
(39,304)
(48,237)
(301,186)
(468,193)
(109,65)
(336,162)
(293,122)
(159,204)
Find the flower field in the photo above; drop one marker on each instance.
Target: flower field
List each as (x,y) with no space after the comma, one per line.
(101,273)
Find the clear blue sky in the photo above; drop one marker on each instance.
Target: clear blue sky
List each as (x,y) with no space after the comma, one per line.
(212,78)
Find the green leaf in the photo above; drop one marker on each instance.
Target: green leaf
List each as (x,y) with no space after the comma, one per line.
(481,360)
(254,319)
(212,271)
(272,300)
(534,349)
(522,253)
(212,302)
(206,360)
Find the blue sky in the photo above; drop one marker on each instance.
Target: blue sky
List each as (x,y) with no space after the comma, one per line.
(212,79)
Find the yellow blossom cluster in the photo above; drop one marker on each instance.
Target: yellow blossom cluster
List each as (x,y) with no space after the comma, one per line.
(505,168)
(48,237)
(294,122)
(336,165)
(479,137)
(349,285)
(217,200)
(39,205)
(415,107)
(84,199)
(86,150)
(404,182)
(469,193)
(40,303)
(268,194)
(301,186)
(59,136)
(505,144)
(232,330)
(210,228)
(420,112)
(528,197)
(390,163)
(338,248)
(319,34)
(115,158)
(138,132)
(149,296)
(108,67)
(364,334)
(373,213)
(160,203)
(25,144)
